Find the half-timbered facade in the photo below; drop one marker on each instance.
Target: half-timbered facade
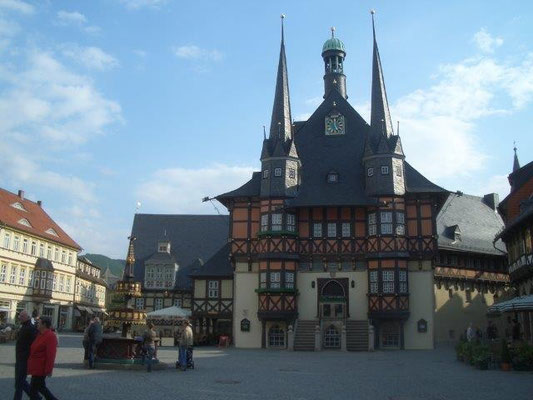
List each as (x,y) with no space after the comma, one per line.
(337,231)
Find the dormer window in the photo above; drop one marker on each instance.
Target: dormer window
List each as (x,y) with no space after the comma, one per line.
(333,177)
(163,247)
(266,173)
(292,173)
(277,172)
(18,206)
(51,231)
(25,222)
(384,170)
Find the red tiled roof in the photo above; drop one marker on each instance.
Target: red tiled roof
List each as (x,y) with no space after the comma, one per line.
(40,221)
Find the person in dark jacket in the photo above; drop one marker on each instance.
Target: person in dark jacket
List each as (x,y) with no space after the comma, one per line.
(95,338)
(25,337)
(42,358)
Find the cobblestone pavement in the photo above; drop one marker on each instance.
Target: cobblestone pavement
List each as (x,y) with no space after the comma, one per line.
(264,374)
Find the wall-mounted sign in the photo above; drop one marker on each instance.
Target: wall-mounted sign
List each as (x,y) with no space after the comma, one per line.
(422,325)
(245,325)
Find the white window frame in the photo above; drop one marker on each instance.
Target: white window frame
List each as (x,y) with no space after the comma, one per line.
(3,273)
(33,250)
(332,229)
(61,283)
(41,250)
(13,275)
(387,277)
(346,229)
(372,224)
(277,222)
(25,245)
(370,171)
(402,278)
(212,289)
(158,303)
(289,280)
(317,229)
(16,243)
(278,172)
(384,170)
(49,252)
(291,222)
(263,280)
(22,276)
(373,278)
(264,222)
(68,284)
(385,222)
(266,174)
(7,240)
(292,173)
(275,280)
(178,303)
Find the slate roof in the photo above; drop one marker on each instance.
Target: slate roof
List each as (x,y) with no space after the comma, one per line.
(192,237)
(39,220)
(526,214)
(161,258)
(415,182)
(252,188)
(218,265)
(478,224)
(517,179)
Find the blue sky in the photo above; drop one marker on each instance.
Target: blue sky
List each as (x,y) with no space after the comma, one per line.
(106,103)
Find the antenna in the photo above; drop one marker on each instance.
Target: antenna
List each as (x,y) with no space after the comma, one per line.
(398,128)
(264,133)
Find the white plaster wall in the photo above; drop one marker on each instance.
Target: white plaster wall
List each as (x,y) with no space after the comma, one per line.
(307,300)
(421,305)
(245,304)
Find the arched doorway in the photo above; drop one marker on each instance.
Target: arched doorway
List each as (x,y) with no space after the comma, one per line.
(333,300)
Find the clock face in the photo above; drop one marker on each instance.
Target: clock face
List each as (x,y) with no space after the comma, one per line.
(335,124)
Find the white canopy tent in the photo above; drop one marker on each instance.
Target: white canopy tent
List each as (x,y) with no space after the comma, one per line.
(522,303)
(169,313)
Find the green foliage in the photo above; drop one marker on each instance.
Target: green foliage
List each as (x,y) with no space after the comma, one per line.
(481,356)
(522,357)
(506,354)
(115,266)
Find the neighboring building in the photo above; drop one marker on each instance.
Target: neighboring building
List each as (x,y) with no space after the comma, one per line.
(37,262)
(90,293)
(470,270)
(167,249)
(517,210)
(337,230)
(212,305)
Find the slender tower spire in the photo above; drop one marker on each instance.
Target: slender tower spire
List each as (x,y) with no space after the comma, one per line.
(281,123)
(516,164)
(130,262)
(380,118)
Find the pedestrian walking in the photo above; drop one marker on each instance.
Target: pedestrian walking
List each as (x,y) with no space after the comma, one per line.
(94,336)
(470,333)
(85,341)
(149,338)
(25,337)
(186,342)
(42,357)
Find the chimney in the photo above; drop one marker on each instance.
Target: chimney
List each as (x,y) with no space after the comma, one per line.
(21,194)
(39,203)
(492,200)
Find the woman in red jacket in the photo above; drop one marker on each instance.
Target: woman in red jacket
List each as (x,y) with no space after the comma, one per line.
(42,358)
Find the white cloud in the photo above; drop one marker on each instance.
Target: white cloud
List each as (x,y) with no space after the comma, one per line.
(180,190)
(486,42)
(193,52)
(74,17)
(140,53)
(17,5)
(136,4)
(90,57)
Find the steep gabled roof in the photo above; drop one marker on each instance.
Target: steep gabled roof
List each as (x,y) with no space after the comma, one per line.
(415,182)
(478,225)
(251,188)
(40,222)
(218,265)
(193,238)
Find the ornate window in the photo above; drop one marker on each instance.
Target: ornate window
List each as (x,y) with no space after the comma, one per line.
(317,230)
(276,337)
(332,338)
(158,303)
(276,222)
(346,229)
(402,278)
(384,170)
(264,222)
(373,276)
(139,303)
(386,222)
(388,281)
(372,224)
(275,280)
(370,171)
(212,289)
(332,229)
(277,172)
(291,222)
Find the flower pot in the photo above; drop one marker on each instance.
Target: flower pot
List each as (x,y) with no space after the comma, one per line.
(505,366)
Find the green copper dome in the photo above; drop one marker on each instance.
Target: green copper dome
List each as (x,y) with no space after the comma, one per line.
(333,44)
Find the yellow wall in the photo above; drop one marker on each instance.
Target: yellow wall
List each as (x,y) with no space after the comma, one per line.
(245,305)
(227,289)
(199,288)
(421,304)
(456,313)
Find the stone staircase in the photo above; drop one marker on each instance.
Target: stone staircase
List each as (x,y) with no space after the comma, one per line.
(357,335)
(304,337)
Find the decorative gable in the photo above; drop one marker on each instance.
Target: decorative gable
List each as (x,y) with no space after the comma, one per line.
(25,222)
(18,206)
(51,231)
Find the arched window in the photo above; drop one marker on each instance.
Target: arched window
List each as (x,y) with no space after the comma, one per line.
(332,338)
(276,337)
(333,289)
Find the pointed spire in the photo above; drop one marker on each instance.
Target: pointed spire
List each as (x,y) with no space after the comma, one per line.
(379,104)
(281,111)
(516,163)
(130,261)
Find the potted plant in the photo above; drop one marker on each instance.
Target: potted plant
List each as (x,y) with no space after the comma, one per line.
(505,357)
(523,358)
(481,357)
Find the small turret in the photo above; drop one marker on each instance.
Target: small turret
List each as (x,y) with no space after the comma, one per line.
(333,53)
